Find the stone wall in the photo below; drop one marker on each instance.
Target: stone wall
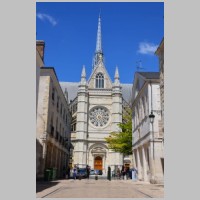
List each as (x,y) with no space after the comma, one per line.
(53,125)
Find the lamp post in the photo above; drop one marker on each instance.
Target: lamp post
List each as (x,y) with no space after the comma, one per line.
(151,117)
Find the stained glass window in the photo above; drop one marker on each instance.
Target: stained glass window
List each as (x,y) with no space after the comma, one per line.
(99,116)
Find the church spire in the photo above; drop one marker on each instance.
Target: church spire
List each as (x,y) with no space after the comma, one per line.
(83,76)
(116,73)
(66,94)
(116,76)
(116,85)
(98,52)
(99,42)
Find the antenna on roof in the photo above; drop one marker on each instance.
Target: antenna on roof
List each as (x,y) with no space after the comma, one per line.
(139,65)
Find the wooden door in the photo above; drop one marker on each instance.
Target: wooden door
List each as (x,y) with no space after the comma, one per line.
(98,163)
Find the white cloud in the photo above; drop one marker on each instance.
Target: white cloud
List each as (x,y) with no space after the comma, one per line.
(147,48)
(49,18)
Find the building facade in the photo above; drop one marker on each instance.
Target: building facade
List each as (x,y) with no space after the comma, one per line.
(40,45)
(96,105)
(160,53)
(53,134)
(147,137)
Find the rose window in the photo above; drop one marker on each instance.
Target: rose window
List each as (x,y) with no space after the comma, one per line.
(99,116)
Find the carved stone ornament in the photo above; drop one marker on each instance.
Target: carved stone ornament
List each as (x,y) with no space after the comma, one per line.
(99,116)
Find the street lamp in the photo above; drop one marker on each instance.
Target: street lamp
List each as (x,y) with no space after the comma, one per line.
(151,117)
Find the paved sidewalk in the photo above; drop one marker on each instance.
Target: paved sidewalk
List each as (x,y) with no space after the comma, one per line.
(98,189)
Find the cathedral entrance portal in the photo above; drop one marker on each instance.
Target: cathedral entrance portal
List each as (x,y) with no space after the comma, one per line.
(97,157)
(98,163)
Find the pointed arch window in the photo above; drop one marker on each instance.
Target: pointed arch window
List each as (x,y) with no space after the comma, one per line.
(99,80)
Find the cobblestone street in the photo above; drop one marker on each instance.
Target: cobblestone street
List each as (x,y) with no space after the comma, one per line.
(101,188)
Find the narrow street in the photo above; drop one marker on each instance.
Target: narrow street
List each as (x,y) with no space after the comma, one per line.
(101,188)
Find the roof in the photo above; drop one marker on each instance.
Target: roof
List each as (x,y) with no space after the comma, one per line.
(160,48)
(72,89)
(49,68)
(150,75)
(126,92)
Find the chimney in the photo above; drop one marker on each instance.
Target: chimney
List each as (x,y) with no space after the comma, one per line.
(40,47)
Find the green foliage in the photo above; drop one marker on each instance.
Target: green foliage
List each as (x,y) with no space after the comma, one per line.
(122,141)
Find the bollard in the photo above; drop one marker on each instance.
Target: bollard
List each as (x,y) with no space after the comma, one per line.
(96,177)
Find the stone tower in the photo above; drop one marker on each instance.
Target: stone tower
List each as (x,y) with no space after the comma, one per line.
(80,149)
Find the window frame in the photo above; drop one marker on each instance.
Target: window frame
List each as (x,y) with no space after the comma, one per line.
(99,81)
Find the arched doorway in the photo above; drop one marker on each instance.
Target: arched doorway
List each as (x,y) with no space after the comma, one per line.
(98,163)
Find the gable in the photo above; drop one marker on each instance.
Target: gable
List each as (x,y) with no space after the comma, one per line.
(100,69)
(139,81)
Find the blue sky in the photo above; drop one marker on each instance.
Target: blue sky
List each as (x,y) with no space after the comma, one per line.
(131,33)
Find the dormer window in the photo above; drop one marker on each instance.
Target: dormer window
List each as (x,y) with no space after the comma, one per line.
(99,80)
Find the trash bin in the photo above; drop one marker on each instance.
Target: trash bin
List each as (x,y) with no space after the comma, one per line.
(134,175)
(54,173)
(47,175)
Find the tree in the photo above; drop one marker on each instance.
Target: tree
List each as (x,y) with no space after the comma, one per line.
(122,141)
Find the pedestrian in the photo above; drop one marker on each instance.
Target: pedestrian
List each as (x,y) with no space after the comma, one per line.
(136,172)
(74,172)
(127,173)
(123,171)
(88,171)
(118,173)
(130,173)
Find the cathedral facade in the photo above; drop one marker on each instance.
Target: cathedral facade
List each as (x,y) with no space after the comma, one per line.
(97,106)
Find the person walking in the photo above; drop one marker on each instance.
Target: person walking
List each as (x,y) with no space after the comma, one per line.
(127,173)
(136,172)
(88,171)
(74,172)
(123,171)
(118,173)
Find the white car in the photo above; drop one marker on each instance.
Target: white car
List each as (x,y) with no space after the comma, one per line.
(95,172)
(92,172)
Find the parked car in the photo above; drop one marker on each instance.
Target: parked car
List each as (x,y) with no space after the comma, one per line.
(82,173)
(98,172)
(92,172)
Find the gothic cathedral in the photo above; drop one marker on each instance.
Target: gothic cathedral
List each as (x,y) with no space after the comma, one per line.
(97,106)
